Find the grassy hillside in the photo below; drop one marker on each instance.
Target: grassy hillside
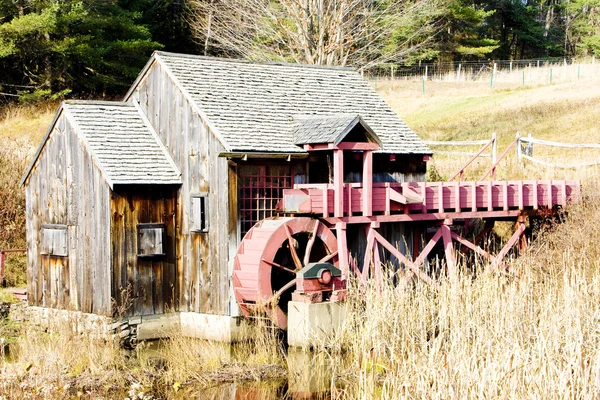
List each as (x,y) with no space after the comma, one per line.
(566,112)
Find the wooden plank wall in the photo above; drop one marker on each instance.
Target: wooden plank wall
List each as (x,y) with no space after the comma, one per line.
(203,278)
(142,286)
(66,187)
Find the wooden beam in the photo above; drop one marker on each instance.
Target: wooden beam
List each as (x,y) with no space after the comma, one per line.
(499,214)
(449,251)
(340,228)
(413,267)
(515,237)
(367,178)
(471,246)
(357,146)
(338,182)
(368,259)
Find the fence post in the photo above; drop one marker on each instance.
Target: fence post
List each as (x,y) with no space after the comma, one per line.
(494,148)
(491,79)
(392,71)
(519,150)
(458,74)
(578,71)
(523,77)
(423,85)
(551,76)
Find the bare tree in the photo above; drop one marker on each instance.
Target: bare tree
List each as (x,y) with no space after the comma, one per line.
(362,33)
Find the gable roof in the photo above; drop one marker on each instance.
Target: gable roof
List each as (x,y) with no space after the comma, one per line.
(328,129)
(250,106)
(121,142)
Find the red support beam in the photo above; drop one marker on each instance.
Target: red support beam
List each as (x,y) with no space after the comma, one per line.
(367,193)
(357,146)
(338,182)
(340,230)
(515,237)
(413,267)
(451,264)
(368,259)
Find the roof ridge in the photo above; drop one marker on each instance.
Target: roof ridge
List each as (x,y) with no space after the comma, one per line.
(252,62)
(99,102)
(323,116)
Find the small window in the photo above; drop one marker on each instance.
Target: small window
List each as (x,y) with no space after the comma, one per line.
(54,240)
(200,213)
(151,240)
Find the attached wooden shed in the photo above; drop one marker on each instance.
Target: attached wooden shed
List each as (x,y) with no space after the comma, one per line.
(101,204)
(201,148)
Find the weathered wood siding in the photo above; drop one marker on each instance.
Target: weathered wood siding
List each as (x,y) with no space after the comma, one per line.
(142,285)
(203,258)
(65,187)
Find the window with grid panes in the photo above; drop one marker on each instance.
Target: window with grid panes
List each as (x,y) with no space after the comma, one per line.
(260,189)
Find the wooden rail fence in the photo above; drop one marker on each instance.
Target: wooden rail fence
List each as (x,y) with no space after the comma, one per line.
(524,149)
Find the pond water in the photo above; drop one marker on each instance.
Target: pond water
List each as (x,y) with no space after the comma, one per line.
(309,377)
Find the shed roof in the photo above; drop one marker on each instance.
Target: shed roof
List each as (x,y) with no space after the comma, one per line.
(251,105)
(328,129)
(121,141)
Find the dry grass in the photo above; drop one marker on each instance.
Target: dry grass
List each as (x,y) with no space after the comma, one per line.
(26,121)
(490,337)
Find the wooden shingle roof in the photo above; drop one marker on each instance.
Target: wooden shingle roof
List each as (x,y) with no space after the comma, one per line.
(252,105)
(121,141)
(328,129)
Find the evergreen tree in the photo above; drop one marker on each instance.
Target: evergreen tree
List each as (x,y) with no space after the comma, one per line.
(50,48)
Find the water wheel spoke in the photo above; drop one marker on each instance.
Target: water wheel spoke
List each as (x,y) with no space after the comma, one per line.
(328,257)
(310,244)
(297,261)
(275,298)
(281,267)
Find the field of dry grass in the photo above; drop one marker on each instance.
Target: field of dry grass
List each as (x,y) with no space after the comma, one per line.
(489,336)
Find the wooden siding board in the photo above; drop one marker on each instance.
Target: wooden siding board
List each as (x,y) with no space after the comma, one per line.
(202,258)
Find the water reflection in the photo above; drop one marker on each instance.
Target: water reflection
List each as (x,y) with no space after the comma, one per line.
(309,377)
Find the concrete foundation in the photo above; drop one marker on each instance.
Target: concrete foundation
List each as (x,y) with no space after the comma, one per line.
(311,325)
(218,328)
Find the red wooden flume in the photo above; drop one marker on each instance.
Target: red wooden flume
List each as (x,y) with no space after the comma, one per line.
(273,252)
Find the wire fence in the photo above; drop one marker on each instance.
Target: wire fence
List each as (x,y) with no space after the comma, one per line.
(521,72)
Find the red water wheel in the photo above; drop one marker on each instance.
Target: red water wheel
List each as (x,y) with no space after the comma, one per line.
(264,274)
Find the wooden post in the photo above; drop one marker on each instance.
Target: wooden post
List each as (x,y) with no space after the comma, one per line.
(449,250)
(458,74)
(367,190)
(494,148)
(338,182)
(340,230)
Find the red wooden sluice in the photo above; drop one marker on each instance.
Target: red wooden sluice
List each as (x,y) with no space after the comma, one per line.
(436,202)
(426,201)
(276,249)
